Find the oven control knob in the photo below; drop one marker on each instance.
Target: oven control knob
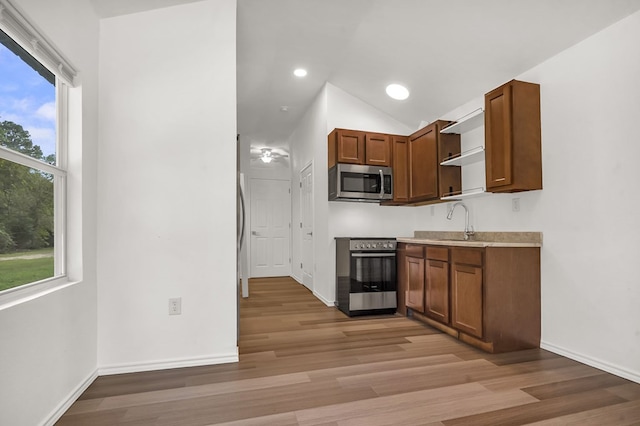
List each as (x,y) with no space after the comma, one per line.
(368,245)
(384,246)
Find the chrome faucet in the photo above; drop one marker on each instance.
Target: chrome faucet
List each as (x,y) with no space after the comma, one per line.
(468,230)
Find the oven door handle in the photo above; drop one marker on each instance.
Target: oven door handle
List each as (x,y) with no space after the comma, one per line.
(373,254)
(381,184)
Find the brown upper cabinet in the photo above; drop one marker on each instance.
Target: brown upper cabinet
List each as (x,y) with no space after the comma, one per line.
(427,147)
(400,145)
(358,147)
(513,152)
(377,149)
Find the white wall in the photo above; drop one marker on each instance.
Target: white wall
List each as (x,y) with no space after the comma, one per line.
(48,349)
(589,207)
(587,210)
(167,188)
(303,142)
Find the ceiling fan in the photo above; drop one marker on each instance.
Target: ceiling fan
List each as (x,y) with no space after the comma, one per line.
(267,155)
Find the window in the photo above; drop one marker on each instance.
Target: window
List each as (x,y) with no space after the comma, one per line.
(32,158)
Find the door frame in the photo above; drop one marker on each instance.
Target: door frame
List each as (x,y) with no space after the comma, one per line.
(309,166)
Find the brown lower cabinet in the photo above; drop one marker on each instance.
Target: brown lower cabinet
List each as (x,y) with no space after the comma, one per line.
(488,297)
(414,267)
(466,291)
(437,283)
(401,277)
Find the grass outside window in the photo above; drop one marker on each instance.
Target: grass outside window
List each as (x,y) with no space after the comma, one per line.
(25,267)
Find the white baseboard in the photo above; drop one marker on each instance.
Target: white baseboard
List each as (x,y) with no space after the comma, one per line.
(323,300)
(593,362)
(73,397)
(134,368)
(108,370)
(317,295)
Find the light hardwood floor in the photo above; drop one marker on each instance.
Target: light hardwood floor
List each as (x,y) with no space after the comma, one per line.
(302,363)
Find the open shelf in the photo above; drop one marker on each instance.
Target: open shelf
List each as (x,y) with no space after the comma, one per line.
(467,193)
(464,124)
(468,157)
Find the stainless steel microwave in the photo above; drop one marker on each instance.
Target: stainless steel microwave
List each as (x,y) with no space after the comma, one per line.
(354,182)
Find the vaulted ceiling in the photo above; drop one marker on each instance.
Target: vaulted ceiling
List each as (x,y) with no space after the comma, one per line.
(445,51)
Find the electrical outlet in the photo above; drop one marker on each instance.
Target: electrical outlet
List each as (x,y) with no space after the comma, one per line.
(515,204)
(433,210)
(175,306)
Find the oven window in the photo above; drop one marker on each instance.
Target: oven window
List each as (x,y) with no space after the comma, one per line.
(373,273)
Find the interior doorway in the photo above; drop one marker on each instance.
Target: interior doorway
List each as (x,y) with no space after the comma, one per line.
(270,228)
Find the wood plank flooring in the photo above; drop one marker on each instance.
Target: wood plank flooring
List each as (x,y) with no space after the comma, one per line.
(302,363)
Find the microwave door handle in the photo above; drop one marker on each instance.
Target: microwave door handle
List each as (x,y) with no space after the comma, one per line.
(381,184)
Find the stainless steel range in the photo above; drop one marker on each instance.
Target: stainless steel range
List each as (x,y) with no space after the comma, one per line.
(366,275)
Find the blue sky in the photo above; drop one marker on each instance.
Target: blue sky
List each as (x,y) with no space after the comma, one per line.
(26,98)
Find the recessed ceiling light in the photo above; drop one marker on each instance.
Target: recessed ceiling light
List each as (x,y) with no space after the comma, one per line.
(397,91)
(300,72)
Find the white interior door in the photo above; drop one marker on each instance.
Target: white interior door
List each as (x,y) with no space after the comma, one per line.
(306,224)
(270,228)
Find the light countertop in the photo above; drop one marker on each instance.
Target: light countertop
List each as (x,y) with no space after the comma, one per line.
(480,239)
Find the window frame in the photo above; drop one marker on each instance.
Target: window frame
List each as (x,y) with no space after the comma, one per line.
(16,26)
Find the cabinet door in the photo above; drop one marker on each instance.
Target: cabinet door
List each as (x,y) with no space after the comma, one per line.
(401,277)
(415,291)
(513,141)
(423,166)
(437,290)
(498,137)
(400,168)
(466,299)
(351,146)
(377,149)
